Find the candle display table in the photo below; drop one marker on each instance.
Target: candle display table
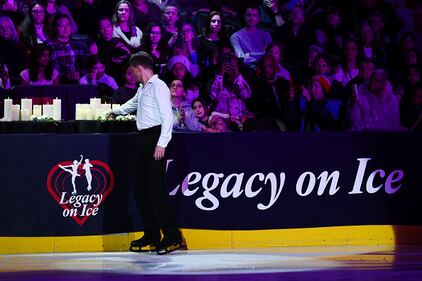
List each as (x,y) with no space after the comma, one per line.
(69,95)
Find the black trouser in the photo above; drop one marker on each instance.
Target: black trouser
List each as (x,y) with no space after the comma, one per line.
(151,193)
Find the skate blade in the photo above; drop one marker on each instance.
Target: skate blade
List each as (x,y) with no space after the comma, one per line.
(145,249)
(171,249)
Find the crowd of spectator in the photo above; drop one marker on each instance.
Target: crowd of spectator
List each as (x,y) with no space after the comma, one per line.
(297,65)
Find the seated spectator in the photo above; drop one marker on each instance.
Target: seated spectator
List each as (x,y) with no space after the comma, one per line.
(145,12)
(319,112)
(296,37)
(275,49)
(349,68)
(112,50)
(411,113)
(11,53)
(187,45)
(96,76)
(154,43)
(270,14)
(180,68)
(322,65)
(229,90)
(171,15)
(183,115)
(128,90)
(123,25)
(366,68)
(332,33)
(273,96)
(211,122)
(55,8)
(68,55)
(40,71)
(249,43)
(87,14)
(212,37)
(413,75)
(162,4)
(4,76)
(374,106)
(35,26)
(304,71)
(412,57)
(14,9)
(370,49)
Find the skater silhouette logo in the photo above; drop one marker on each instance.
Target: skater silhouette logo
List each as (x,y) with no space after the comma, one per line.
(80,187)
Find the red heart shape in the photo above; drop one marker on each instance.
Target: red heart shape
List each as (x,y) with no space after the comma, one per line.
(59,182)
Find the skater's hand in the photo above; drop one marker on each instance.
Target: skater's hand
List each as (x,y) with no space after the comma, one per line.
(159,152)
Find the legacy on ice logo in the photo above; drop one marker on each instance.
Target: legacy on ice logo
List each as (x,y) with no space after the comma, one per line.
(80,187)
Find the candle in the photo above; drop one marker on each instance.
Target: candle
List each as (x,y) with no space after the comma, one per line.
(115,106)
(47,110)
(89,114)
(25,114)
(78,111)
(8,104)
(26,104)
(95,103)
(16,110)
(98,112)
(106,107)
(36,110)
(57,109)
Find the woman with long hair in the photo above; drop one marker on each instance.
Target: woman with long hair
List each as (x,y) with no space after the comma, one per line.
(123,25)
(56,7)
(154,43)
(349,68)
(187,45)
(35,26)
(213,35)
(40,71)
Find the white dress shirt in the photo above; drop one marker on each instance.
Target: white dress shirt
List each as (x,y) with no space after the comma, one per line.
(153,108)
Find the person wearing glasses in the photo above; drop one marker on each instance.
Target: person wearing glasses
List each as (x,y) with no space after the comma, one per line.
(155,44)
(35,26)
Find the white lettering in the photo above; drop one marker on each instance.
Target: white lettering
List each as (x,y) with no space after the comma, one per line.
(275,193)
(359,176)
(311,184)
(370,182)
(324,179)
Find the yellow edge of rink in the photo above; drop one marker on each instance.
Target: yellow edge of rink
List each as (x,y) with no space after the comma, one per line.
(227,239)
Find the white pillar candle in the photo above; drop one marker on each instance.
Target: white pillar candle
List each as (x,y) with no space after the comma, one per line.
(26,104)
(8,105)
(98,112)
(115,106)
(36,111)
(57,109)
(25,114)
(89,114)
(95,102)
(78,111)
(106,107)
(16,110)
(47,110)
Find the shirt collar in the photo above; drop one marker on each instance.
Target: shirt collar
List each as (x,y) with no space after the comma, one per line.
(152,79)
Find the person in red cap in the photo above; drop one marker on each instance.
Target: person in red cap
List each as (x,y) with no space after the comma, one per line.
(319,112)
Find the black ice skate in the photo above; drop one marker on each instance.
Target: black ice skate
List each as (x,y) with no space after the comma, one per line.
(143,245)
(168,245)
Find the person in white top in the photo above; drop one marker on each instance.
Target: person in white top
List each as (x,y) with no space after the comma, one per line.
(40,71)
(123,25)
(154,119)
